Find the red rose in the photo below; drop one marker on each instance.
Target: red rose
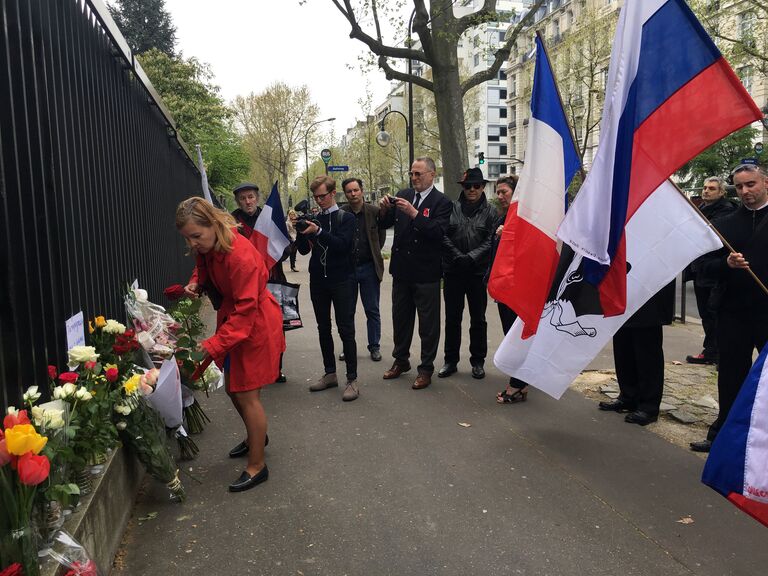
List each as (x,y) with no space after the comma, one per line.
(111,374)
(14,569)
(90,365)
(130,333)
(33,469)
(52,372)
(12,420)
(175,292)
(68,377)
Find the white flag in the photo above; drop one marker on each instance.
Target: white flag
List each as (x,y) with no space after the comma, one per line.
(663,237)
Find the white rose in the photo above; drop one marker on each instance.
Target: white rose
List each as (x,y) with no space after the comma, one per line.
(11,411)
(68,390)
(122,425)
(83,394)
(49,418)
(80,354)
(140,294)
(122,409)
(31,395)
(113,327)
(58,393)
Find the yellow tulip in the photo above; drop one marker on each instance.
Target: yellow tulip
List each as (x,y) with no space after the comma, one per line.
(100,321)
(23,438)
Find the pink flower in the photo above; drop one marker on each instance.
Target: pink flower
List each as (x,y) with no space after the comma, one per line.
(14,418)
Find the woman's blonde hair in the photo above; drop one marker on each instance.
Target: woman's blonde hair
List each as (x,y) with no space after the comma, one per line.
(203,213)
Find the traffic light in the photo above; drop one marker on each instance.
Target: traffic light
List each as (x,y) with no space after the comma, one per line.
(481,158)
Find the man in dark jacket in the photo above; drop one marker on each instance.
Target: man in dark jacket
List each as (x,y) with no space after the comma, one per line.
(331,282)
(466,252)
(248,210)
(638,354)
(715,207)
(420,216)
(742,321)
(366,258)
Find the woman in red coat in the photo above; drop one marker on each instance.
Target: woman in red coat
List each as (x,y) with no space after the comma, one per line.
(249,323)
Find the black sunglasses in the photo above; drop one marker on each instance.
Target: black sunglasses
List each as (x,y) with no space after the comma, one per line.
(477,185)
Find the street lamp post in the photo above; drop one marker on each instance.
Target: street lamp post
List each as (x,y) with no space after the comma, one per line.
(383,138)
(306,153)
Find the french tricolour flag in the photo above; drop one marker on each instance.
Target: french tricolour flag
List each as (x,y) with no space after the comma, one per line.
(270,235)
(528,252)
(670,94)
(737,466)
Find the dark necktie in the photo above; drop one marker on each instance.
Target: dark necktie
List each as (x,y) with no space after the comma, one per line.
(417,200)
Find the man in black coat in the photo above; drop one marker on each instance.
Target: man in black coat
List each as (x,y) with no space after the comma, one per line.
(248,210)
(741,303)
(420,216)
(638,354)
(466,252)
(331,282)
(715,207)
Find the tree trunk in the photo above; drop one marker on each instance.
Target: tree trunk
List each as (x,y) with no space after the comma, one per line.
(448,100)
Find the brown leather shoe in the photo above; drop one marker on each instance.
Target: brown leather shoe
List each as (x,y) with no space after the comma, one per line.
(422,381)
(395,371)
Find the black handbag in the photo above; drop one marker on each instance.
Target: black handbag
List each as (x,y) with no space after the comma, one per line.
(287,295)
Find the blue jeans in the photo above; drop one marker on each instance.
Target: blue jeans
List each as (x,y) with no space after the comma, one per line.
(368,285)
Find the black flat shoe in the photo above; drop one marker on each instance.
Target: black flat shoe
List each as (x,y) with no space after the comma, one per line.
(616,406)
(246,481)
(281,379)
(478,372)
(641,418)
(242,448)
(447,370)
(701,446)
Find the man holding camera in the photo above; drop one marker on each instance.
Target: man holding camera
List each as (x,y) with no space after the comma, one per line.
(420,216)
(329,236)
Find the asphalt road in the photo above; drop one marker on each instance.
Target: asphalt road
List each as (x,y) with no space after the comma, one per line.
(395,484)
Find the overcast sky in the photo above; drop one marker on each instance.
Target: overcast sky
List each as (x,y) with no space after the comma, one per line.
(251,44)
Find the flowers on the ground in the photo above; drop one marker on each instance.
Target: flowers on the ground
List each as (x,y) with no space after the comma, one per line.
(69,377)
(52,372)
(14,417)
(65,391)
(83,394)
(48,418)
(111,374)
(32,469)
(131,385)
(81,354)
(31,395)
(100,321)
(23,438)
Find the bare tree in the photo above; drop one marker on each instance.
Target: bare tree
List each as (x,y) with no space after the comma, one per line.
(438,31)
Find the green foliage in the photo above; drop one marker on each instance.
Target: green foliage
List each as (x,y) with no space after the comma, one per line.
(145,24)
(202,117)
(718,159)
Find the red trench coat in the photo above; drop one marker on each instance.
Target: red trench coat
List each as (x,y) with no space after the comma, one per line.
(249,322)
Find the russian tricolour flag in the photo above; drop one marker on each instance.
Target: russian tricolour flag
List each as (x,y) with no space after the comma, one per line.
(737,466)
(270,235)
(528,252)
(670,94)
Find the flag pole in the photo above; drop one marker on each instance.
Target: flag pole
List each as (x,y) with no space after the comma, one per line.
(560,98)
(722,238)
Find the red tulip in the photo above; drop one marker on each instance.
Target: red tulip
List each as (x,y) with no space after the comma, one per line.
(52,372)
(68,377)
(111,374)
(5,456)
(33,469)
(12,420)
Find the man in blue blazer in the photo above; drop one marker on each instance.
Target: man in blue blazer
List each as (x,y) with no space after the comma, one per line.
(420,216)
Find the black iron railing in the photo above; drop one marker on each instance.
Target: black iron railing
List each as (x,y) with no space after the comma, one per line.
(91,171)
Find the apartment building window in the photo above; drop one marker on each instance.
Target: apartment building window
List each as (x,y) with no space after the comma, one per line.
(556,29)
(503,113)
(502,94)
(493,115)
(503,150)
(477,133)
(493,133)
(502,75)
(494,170)
(745,74)
(569,18)
(493,96)
(503,131)
(476,60)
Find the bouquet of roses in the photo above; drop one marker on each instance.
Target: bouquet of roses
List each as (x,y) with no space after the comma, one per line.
(143,431)
(72,555)
(22,469)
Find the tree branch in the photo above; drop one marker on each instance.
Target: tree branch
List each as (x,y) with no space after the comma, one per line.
(751,51)
(502,54)
(486,14)
(374,45)
(392,74)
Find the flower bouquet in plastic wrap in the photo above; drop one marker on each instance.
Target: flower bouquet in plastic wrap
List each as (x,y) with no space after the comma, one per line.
(142,430)
(155,328)
(72,556)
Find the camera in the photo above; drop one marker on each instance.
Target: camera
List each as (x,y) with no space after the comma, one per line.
(303,220)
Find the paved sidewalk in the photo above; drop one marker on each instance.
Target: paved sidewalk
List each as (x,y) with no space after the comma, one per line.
(443,481)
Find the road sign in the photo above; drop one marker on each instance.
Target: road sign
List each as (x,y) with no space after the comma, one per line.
(325,154)
(338,168)
(759,148)
(749,160)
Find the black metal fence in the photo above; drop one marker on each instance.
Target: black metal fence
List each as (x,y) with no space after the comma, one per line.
(91,171)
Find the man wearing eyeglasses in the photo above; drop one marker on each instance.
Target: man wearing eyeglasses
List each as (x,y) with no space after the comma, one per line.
(331,282)
(742,320)
(420,217)
(466,251)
